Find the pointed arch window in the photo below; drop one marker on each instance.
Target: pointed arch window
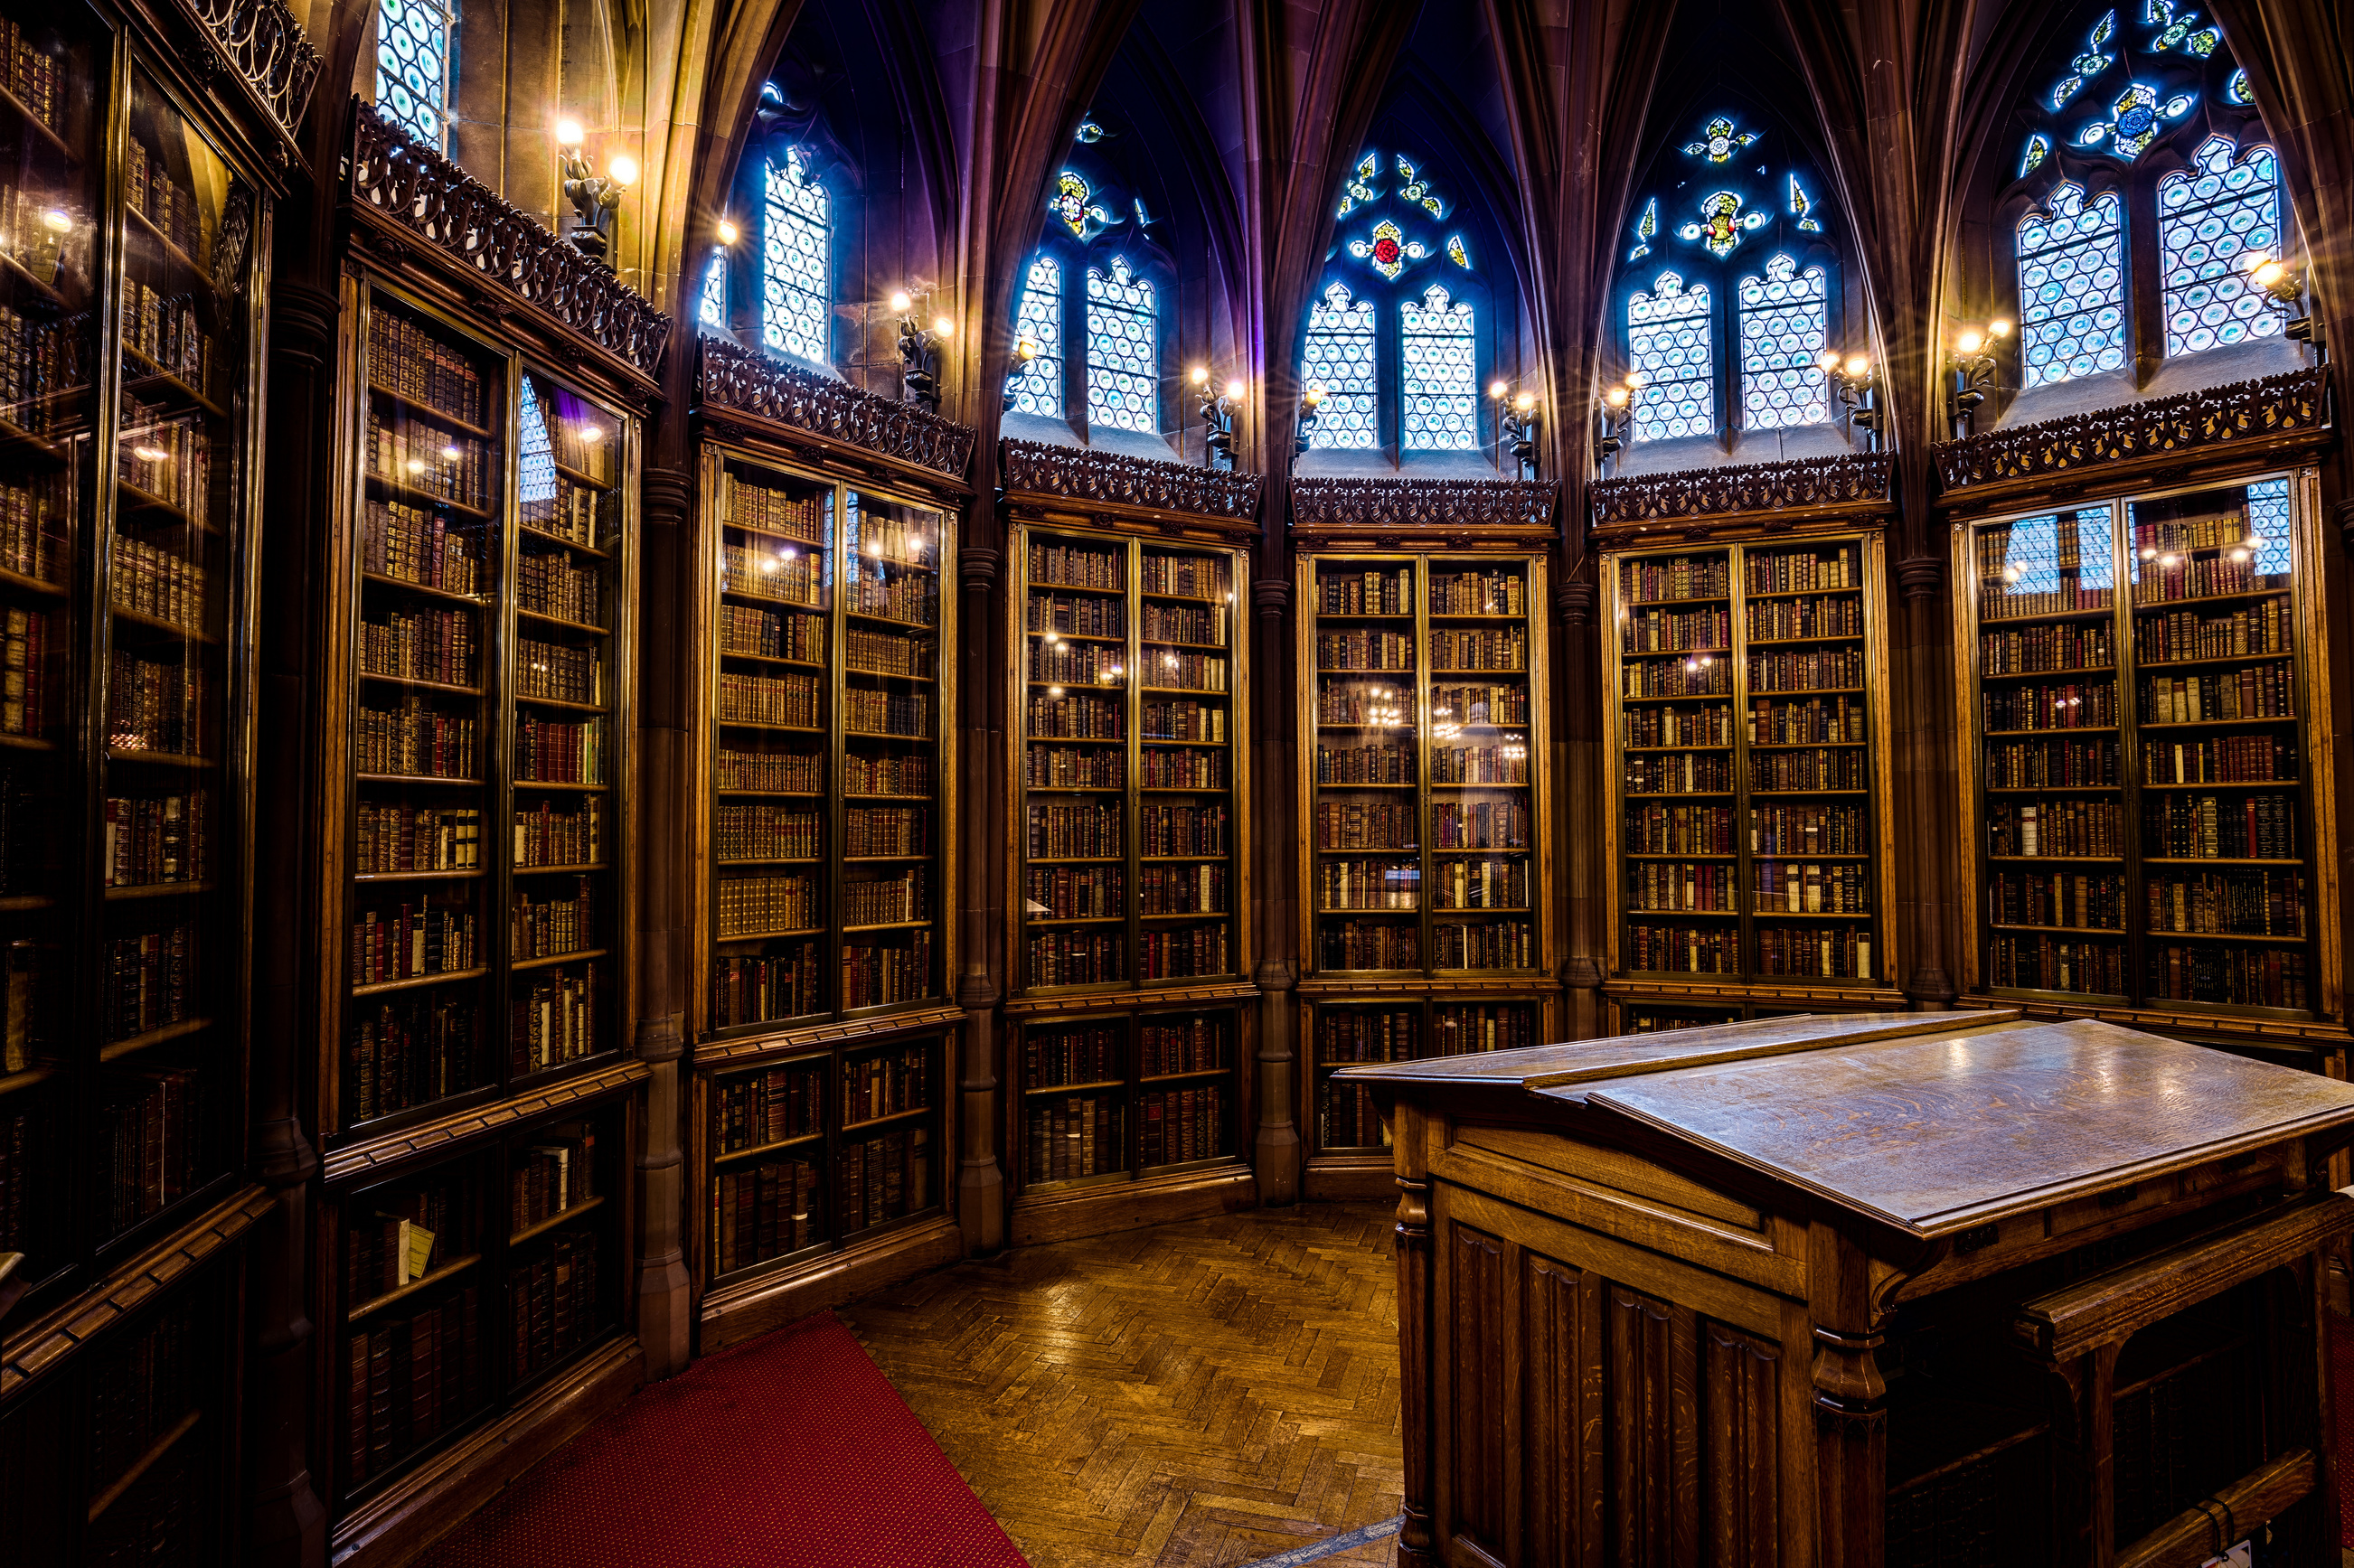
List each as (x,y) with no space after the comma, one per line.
(1039,318)
(1123,350)
(1785,322)
(2072,298)
(1668,343)
(1440,376)
(416,66)
(2210,216)
(796,247)
(1339,358)
(711,303)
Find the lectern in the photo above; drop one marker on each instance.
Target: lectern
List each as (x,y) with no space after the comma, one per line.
(1883,1288)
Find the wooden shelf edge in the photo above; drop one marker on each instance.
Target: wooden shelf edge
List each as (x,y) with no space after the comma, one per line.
(560,1217)
(737,1311)
(426,1281)
(2262,1494)
(141,1466)
(814,1037)
(37,1348)
(375,1154)
(1067,1213)
(397,1525)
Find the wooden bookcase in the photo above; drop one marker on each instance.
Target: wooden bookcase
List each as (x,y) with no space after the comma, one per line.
(486,933)
(1129,702)
(2147,766)
(1749,837)
(823,851)
(1426,877)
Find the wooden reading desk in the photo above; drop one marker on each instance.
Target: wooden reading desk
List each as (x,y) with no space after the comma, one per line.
(1902,1288)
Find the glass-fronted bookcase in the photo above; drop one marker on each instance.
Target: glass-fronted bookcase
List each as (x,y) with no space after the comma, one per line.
(1748,838)
(1426,884)
(2148,776)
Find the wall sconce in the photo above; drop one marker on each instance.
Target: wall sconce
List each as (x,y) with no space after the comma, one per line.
(1311,403)
(920,350)
(1615,413)
(594,196)
(1218,408)
(1856,381)
(1971,363)
(2283,288)
(1017,368)
(1516,426)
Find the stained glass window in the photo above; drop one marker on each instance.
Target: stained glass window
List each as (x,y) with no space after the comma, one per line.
(711,307)
(2072,286)
(1039,318)
(796,303)
(2268,531)
(2209,218)
(1669,343)
(416,69)
(1785,322)
(1123,351)
(1441,380)
(1339,358)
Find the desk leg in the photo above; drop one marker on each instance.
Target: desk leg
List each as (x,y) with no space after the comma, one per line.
(2084,1460)
(1418,1541)
(1850,1405)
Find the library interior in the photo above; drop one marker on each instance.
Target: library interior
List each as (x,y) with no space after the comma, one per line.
(1465,785)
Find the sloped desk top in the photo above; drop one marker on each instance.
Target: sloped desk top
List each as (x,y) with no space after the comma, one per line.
(1930,1123)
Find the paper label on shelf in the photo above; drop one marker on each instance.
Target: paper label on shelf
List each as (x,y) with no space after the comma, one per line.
(2240,1556)
(415,1249)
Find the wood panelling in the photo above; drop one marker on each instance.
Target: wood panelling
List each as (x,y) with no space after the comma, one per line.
(1654,1432)
(1741,1396)
(1561,1389)
(1480,1398)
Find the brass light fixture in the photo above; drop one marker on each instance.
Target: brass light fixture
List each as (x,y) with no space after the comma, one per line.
(1971,365)
(594,196)
(1857,381)
(1516,426)
(1613,416)
(919,349)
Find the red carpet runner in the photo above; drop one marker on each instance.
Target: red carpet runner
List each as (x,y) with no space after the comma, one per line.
(790,1452)
(2342,1395)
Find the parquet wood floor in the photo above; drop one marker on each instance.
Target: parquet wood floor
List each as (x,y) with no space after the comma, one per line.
(1203,1395)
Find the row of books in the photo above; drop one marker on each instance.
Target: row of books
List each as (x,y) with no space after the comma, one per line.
(553,1018)
(550,835)
(883,901)
(425,547)
(1830,952)
(764,987)
(1505,764)
(1074,892)
(2044,764)
(752,905)
(1164,954)
(165,329)
(418,457)
(547,752)
(1807,829)
(1649,579)
(1375,590)
(408,1381)
(150,982)
(1184,577)
(2261,691)
(751,829)
(771,509)
(1478,593)
(1481,704)
(1484,945)
(1456,1027)
(155,704)
(409,940)
(1372,763)
(1066,833)
(563,509)
(549,926)
(146,1388)
(555,1174)
(1676,632)
(1066,1138)
(2061,706)
(878,536)
(2233,977)
(42,364)
(1072,1055)
(1678,773)
(1468,651)
(1181,890)
(417,739)
(763,1211)
(1380,825)
(1199,626)
(394,836)
(33,70)
(157,1142)
(1479,824)
(2058,828)
(1075,958)
(2056,963)
(1368,945)
(2239,759)
(1075,717)
(2211,827)
(1687,949)
(160,583)
(869,652)
(1346,1117)
(34,513)
(784,576)
(156,195)
(1674,886)
(790,700)
(1082,615)
(1182,830)
(1784,772)
(1824,669)
(421,645)
(554,1305)
(785,772)
(881,972)
(909,714)
(909,601)
(1073,566)
(2078,900)
(2065,645)
(1675,678)
(1367,1034)
(885,830)
(156,839)
(1653,828)
(27,678)
(558,671)
(2241,902)
(2268,627)
(402,1237)
(1358,884)
(1364,703)
(407,1051)
(2204,576)
(1174,1126)
(883,1178)
(753,1111)
(769,634)
(1358,649)
(1783,724)
(411,363)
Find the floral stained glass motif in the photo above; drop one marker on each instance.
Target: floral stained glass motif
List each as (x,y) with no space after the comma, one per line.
(2237,90)
(1123,351)
(414,67)
(1721,223)
(1441,380)
(2134,120)
(795,300)
(1720,141)
(1071,203)
(1338,357)
(1038,317)
(2039,147)
(1785,322)
(1802,207)
(1361,185)
(2209,218)
(2091,63)
(711,305)
(2072,286)
(1388,248)
(1456,253)
(1668,341)
(1417,189)
(1646,228)
(2176,31)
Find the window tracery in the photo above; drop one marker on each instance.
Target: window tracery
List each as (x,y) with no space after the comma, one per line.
(795,241)
(1039,318)
(1123,350)
(416,66)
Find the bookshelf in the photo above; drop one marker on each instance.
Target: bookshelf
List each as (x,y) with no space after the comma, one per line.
(1131,694)
(2142,695)
(1749,837)
(485,934)
(462,1286)
(815,1152)
(828,755)
(1425,886)
(132,292)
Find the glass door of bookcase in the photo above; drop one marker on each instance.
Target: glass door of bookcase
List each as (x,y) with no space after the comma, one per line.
(1112,1096)
(2148,831)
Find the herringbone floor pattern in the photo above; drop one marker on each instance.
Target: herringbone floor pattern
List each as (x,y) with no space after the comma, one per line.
(1204,1394)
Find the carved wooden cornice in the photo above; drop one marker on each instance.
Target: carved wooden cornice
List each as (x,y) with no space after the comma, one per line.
(1768,497)
(39,1346)
(2165,441)
(1450,513)
(1110,487)
(408,191)
(907,436)
(268,53)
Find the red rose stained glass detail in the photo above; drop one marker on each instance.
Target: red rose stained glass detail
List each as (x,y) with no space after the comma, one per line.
(1385,251)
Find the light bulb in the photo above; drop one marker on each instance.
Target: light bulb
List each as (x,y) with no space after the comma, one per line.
(900,301)
(1235,390)
(1858,366)
(2239,555)
(2270,273)
(1524,402)
(57,220)
(1053,691)
(2254,260)
(727,232)
(416,465)
(790,554)
(2254,541)
(1315,398)
(1497,390)
(452,453)
(2148,554)
(569,132)
(1052,639)
(1999,327)
(623,169)
(591,434)
(1201,375)
(1968,343)
(1024,350)
(1827,361)
(942,326)
(1617,396)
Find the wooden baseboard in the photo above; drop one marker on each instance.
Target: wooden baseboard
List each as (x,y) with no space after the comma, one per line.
(1126,1205)
(1344,1180)
(397,1527)
(735,1312)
